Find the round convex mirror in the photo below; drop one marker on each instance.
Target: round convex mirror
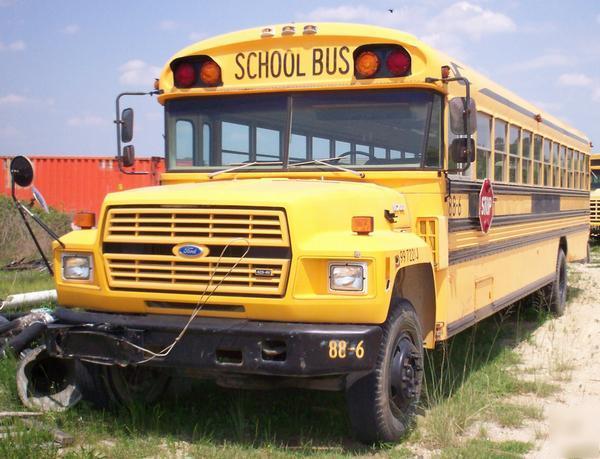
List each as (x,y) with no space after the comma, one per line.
(21,170)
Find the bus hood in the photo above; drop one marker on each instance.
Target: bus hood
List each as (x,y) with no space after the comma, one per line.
(326,203)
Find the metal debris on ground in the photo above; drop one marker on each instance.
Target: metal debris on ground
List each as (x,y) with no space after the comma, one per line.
(24,264)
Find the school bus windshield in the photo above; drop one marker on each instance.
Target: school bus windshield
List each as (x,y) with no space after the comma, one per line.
(595,179)
(395,129)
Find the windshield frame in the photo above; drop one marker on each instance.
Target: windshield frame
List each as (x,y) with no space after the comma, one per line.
(316,167)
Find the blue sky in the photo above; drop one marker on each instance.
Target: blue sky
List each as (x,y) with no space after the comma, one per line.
(63,61)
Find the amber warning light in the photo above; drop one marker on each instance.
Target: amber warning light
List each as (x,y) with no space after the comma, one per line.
(362,225)
(84,220)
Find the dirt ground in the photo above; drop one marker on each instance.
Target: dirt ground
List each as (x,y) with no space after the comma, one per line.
(566,352)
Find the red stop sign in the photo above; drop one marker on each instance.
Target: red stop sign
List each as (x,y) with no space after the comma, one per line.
(486,205)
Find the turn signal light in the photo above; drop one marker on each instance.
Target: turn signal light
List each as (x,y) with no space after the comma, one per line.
(362,225)
(185,75)
(367,64)
(210,73)
(84,220)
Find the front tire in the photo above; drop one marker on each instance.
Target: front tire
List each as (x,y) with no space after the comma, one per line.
(382,404)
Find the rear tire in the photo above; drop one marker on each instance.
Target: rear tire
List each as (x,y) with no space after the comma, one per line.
(382,404)
(555,294)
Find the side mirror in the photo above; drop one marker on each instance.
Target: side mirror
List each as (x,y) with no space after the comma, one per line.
(127,125)
(128,157)
(458,150)
(458,124)
(21,171)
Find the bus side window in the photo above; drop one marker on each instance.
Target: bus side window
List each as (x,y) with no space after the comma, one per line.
(433,150)
(184,143)
(236,143)
(484,145)
(206,142)
(320,148)
(537,160)
(268,145)
(298,147)
(499,150)
(514,152)
(526,153)
(547,167)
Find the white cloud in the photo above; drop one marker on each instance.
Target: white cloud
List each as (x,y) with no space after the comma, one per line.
(468,19)
(87,121)
(167,25)
(574,79)
(447,30)
(197,36)
(359,13)
(71,29)
(18,45)
(138,73)
(551,59)
(12,99)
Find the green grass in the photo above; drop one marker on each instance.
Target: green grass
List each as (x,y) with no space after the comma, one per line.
(481,448)
(24,281)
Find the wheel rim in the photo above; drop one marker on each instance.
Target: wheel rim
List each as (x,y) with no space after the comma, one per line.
(405,375)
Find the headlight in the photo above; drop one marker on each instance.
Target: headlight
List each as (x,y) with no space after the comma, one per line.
(77,267)
(348,277)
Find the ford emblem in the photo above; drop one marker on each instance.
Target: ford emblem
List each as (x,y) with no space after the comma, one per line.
(191,250)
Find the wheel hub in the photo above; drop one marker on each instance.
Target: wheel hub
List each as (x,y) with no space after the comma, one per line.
(405,373)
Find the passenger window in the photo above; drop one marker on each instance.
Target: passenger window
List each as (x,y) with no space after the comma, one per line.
(320,148)
(236,143)
(555,165)
(547,166)
(298,147)
(514,153)
(499,150)
(379,152)
(484,145)
(537,160)
(564,172)
(526,157)
(184,143)
(268,145)
(206,141)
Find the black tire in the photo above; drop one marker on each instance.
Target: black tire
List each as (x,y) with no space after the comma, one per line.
(382,404)
(555,294)
(108,386)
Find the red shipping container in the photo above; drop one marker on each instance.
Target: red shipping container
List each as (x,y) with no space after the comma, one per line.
(79,183)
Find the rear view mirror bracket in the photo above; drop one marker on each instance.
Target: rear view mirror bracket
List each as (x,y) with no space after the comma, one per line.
(124,124)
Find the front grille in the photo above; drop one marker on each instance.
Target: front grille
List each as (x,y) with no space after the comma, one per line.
(140,250)
(595,211)
(214,226)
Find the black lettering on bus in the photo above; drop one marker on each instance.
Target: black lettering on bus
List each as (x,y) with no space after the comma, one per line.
(275,64)
(289,64)
(344,59)
(331,60)
(299,72)
(252,76)
(317,67)
(240,57)
(263,64)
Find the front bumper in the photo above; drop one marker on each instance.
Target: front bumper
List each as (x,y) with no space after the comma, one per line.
(215,345)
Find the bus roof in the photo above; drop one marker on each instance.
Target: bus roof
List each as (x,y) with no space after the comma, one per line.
(426,63)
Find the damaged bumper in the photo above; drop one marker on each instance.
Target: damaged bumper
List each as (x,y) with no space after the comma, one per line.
(214,345)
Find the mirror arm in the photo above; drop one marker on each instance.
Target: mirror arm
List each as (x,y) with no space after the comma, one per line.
(118,122)
(466,117)
(22,210)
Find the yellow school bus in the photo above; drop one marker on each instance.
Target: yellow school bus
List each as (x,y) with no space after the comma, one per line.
(337,198)
(595,196)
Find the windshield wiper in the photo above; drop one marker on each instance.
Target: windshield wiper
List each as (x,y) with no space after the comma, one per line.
(324,162)
(244,165)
